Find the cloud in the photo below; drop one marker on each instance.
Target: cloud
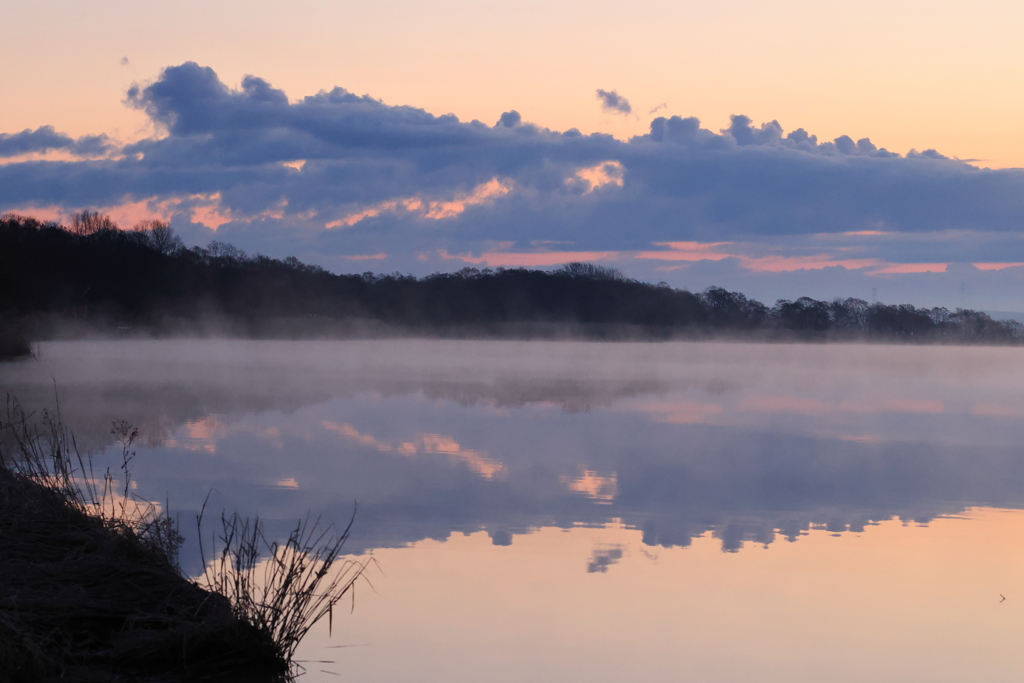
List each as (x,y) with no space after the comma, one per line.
(603,558)
(45,138)
(39,140)
(613,102)
(531,259)
(271,173)
(510,119)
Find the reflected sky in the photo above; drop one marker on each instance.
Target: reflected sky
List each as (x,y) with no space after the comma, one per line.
(582,462)
(895,603)
(747,442)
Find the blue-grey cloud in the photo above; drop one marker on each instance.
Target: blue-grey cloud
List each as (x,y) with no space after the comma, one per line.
(680,181)
(38,140)
(612,101)
(602,559)
(510,119)
(45,138)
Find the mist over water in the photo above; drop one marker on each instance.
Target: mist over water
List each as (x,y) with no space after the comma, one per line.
(593,459)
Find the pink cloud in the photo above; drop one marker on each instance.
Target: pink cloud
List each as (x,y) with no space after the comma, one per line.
(352,434)
(706,251)
(593,486)
(996,266)
(529,259)
(903,268)
(781,264)
(48,155)
(125,215)
(685,251)
(128,215)
(41,213)
(366,257)
(432,209)
(997,410)
(604,173)
(477,460)
(202,208)
(211,216)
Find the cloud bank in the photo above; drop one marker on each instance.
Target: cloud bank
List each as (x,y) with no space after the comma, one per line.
(336,176)
(45,139)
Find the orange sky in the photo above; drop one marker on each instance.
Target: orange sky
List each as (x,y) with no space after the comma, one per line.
(908,75)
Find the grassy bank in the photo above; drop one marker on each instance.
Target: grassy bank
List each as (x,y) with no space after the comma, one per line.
(90,589)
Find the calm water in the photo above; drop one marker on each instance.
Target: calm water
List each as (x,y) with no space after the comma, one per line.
(603,512)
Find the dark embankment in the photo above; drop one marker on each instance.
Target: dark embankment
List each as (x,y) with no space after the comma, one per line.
(92,276)
(14,337)
(90,587)
(81,600)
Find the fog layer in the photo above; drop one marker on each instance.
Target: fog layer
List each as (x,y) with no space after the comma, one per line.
(748,441)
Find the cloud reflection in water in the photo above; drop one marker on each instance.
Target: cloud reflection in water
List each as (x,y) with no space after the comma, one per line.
(747,442)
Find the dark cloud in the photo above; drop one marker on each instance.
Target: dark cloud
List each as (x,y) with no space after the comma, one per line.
(46,138)
(38,140)
(680,181)
(612,101)
(510,119)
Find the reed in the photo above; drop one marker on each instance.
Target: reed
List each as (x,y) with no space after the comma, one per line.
(293,586)
(90,587)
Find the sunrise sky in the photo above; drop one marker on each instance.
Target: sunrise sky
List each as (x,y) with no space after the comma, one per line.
(866,149)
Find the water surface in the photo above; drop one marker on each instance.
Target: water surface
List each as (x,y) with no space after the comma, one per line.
(593,511)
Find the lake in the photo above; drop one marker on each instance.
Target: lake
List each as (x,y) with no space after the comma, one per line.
(571,511)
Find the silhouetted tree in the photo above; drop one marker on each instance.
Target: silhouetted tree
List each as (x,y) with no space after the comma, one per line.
(589,271)
(90,222)
(850,315)
(160,235)
(732,309)
(146,278)
(803,315)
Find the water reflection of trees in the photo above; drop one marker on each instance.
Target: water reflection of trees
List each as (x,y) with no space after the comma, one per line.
(746,483)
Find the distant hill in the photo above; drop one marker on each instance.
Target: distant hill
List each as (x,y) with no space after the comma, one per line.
(92,277)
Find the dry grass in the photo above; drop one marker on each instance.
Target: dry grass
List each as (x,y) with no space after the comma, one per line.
(295,586)
(90,589)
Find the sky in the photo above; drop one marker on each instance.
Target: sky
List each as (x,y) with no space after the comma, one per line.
(781,149)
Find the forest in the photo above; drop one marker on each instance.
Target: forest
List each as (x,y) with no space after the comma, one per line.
(91,277)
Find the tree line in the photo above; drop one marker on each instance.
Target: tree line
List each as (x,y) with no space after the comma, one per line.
(96,276)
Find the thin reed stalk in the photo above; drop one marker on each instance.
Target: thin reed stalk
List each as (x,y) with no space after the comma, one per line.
(90,588)
(282,589)
(44,451)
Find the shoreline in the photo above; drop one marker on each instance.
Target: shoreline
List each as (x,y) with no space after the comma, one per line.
(85,600)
